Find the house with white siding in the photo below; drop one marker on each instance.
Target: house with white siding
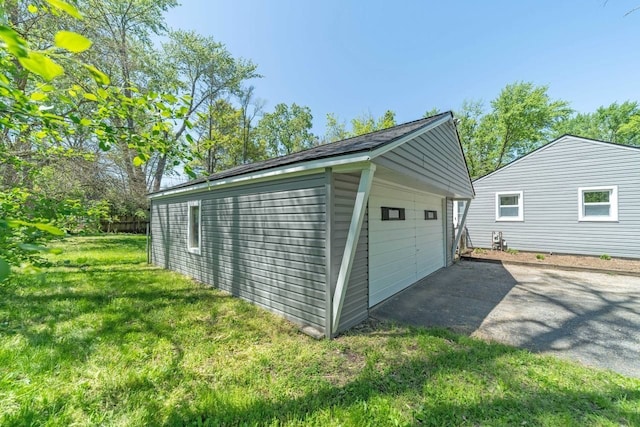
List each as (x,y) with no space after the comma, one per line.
(574,196)
(322,235)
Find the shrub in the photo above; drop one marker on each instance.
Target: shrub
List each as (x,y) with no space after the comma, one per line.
(605,257)
(512,251)
(540,256)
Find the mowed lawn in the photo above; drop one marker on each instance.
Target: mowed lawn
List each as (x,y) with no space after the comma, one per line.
(106,339)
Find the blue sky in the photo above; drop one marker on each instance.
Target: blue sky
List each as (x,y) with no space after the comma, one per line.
(354,57)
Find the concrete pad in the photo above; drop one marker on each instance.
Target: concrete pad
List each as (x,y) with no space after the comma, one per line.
(590,317)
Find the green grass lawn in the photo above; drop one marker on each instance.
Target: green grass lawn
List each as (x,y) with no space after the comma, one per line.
(106,339)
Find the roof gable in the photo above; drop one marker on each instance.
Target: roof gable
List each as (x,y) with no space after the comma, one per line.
(559,140)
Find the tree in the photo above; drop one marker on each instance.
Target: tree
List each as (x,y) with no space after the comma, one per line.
(475,147)
(41,111)
(617,123)
(286,130)
(363,124)
(521,119)
(205,71)
(250,108)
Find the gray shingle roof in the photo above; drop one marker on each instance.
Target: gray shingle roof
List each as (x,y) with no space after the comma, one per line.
(357,144)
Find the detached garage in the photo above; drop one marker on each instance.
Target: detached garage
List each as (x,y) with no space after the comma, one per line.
(322,235)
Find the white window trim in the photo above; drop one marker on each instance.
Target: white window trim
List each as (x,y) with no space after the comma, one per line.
(613,201)
(520,216)
(194,250)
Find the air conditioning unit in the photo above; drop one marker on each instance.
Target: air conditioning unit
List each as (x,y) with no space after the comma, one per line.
(497,242)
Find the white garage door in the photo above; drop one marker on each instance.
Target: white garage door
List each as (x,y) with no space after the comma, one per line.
(402,251)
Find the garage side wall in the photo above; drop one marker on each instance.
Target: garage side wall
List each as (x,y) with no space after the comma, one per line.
(355,308)
(263,242)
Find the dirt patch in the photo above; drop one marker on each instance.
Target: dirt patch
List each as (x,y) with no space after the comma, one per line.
(587,262)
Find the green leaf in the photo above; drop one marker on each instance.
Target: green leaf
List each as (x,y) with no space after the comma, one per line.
(73,42)
(32,9)
(31,247)
(38,96)
(5,269)
(85,122)
(15,44)
(137,161)
(98,76)
(65,7)
(41,65)
(90,96)
(51,229)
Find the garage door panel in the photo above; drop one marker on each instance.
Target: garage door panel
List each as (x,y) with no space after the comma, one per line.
(392,261)
(398,283)
(401,252)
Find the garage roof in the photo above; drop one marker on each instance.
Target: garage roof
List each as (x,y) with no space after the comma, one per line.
(357,144)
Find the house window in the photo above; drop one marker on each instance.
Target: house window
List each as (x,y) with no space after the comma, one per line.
(598,203)
(509,206)
(194,227)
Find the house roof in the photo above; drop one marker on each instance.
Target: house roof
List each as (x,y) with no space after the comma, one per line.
(358,144)
(554,142)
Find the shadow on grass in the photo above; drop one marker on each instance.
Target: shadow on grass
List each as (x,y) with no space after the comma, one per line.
(71,322)
(423,377)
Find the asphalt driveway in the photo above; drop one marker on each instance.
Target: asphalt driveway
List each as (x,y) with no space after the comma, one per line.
(590,317)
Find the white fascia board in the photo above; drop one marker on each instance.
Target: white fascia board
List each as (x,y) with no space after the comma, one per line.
(297,169)
(388,147)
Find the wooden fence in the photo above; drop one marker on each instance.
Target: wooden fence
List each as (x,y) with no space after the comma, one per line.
(125,225)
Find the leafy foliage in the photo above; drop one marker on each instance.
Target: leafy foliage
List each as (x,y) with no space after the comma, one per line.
(286,130)
(366,123)
(521,119)
(617,123)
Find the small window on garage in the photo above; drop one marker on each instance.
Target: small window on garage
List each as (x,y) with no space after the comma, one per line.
(392,214)
(509,206)
(598,203)
(194,227)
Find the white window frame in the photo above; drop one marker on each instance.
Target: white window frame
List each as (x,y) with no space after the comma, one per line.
(613,202)
(520,205)
(194,249)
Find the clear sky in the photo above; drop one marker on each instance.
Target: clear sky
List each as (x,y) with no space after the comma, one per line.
(354,57)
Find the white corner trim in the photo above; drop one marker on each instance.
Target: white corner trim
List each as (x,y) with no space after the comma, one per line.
(359,209)
(388,147)
(520,205)
(305,168)
(613,203)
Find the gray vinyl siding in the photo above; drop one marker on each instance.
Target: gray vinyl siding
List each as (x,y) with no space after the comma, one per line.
(355,307)
(434,158)
(549,180)
(262,242)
